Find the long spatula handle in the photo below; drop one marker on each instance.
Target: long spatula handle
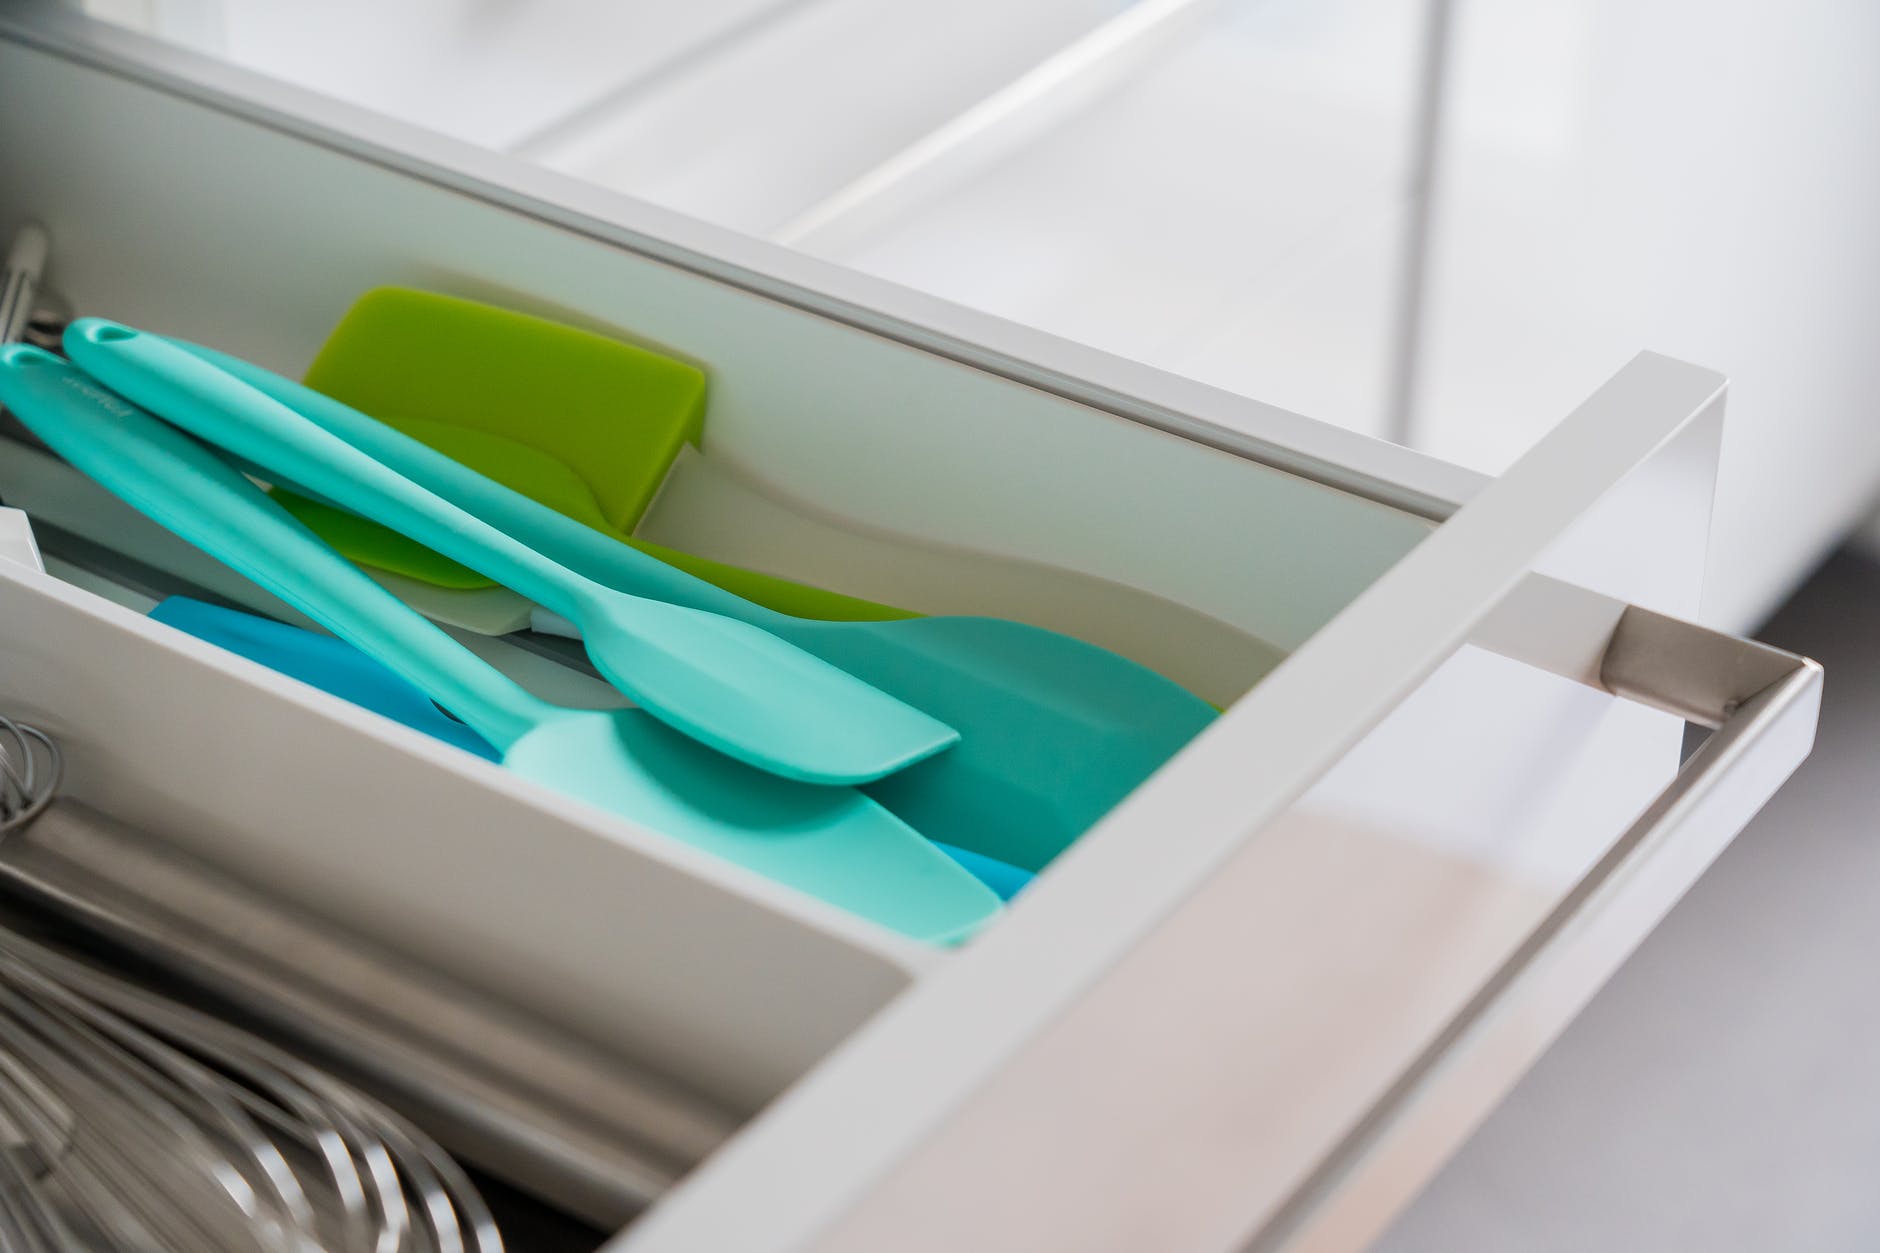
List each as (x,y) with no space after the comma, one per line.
(727,684)
(226,412)
(573,544)
(190,490)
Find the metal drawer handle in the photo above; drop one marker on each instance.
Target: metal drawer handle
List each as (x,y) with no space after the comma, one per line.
(1747,693)
(1761,705)
(1741,689)
(1701,675)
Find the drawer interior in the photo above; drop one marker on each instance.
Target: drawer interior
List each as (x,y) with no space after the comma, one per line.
(200,222)
(249,240)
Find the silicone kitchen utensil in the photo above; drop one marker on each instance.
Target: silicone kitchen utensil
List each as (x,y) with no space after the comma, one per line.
(334,666)
(619,411)
(321,661)
(1005,879)
(734,687)
(483,610)
(428,364)
(714,510)
(1054,731)
(543,479)
(584,423)
(831,842)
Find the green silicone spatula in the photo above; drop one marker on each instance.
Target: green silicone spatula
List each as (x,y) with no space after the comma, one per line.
(1053,731)
(446,592)
(552,482)
(832,842)
(587,424)
(602,429)
(727,684)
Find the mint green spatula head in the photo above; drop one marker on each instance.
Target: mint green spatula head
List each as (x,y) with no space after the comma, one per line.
(831,842)
(734,687)
(1053,731)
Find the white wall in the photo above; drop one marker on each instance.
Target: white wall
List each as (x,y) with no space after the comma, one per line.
(1700,177)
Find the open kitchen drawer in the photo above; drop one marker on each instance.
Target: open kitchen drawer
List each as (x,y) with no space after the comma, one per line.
(1259,1002)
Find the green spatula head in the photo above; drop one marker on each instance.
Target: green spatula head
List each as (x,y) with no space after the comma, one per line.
(548,482)
(609,412)
(585,424)
(515,465)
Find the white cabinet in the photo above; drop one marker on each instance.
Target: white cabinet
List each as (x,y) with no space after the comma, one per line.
(1223,192)
(1300,959)
(1700,177)
(1221,188)
(760,133)
(497,75)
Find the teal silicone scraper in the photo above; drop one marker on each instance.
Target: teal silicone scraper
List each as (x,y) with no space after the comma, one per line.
(608,430)
(715,511)
(1054,731)
(336,667)
(831,842)
(726,683)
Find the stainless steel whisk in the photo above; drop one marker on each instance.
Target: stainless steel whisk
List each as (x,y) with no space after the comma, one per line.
(137,1124)
(30,768)
(133,1124)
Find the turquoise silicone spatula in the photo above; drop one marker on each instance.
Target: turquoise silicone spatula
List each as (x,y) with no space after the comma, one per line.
(333,665)
(726,683)
(831,842)
(1054,731)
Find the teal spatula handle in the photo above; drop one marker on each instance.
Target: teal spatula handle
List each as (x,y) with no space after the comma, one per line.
(555,535)
(730,685)
(258,429)
(190,490)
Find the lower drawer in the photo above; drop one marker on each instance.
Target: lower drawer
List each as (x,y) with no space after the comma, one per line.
(1301,956)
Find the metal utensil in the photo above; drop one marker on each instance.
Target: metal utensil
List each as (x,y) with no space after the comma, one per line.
(130,1122)
(143,1124)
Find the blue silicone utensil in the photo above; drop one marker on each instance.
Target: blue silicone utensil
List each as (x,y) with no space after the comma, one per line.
(336,667)
(726,683)
(322,661)
(831,842)
(1054,731)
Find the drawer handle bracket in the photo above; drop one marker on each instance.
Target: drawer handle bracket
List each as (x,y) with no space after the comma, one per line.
(1701,675)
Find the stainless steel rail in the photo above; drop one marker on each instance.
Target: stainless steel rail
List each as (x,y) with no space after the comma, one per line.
(1761,704)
